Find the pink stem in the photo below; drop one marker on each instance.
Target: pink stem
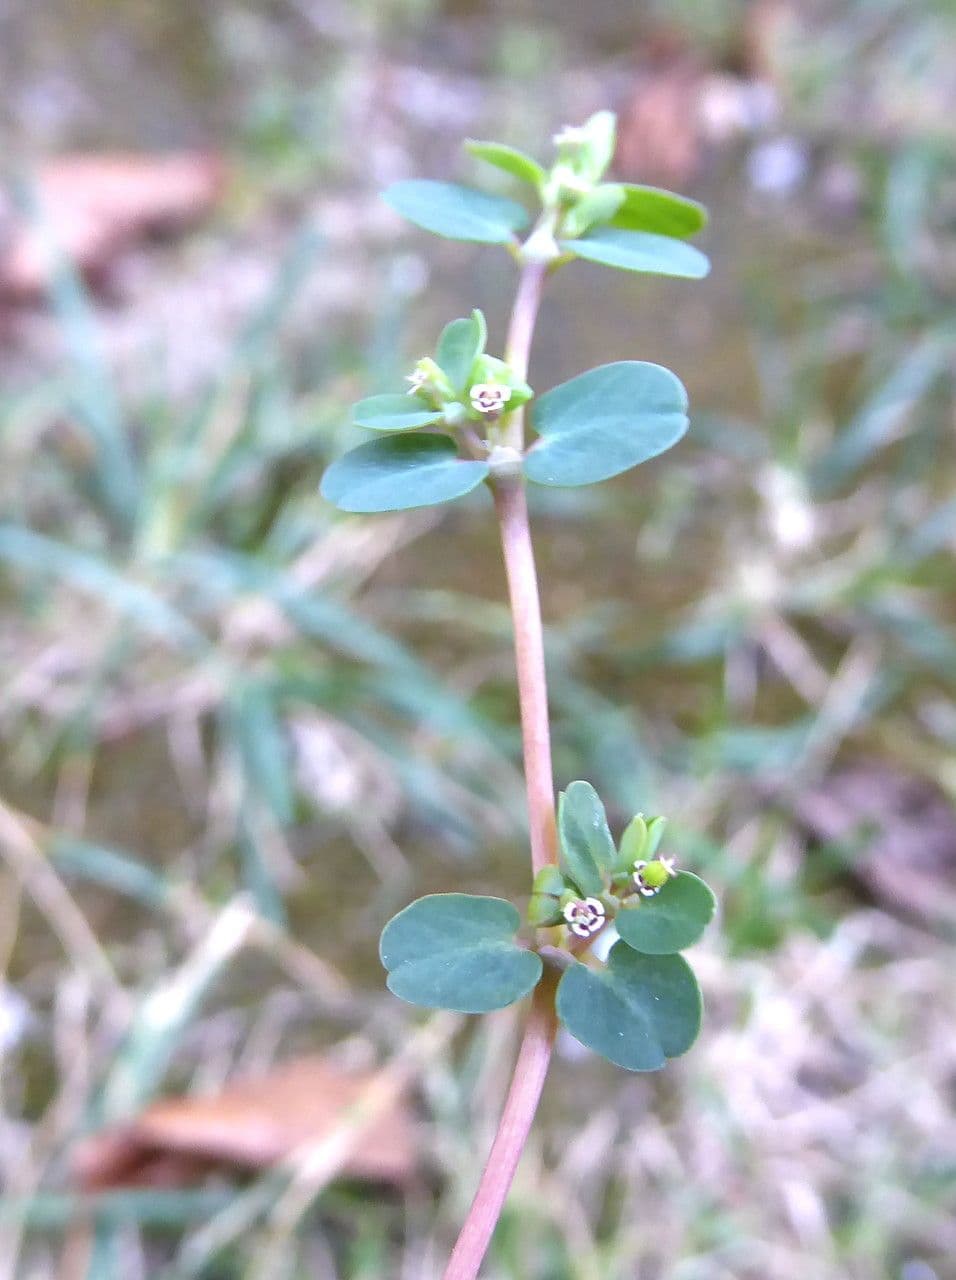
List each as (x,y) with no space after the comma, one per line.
(517,1117)
(534,1055)
(512,507)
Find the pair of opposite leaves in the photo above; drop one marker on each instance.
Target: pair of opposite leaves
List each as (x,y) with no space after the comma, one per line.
(595,426)
(456,951)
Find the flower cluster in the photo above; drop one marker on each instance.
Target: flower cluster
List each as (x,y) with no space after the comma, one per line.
(464,394)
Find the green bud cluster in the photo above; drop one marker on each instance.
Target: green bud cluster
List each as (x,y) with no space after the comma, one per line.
(463,382)
(641,840)
(593,867)
(584,154)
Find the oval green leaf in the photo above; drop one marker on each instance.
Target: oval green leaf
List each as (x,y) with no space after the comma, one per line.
(637,1012)
(394,413)
(639,251)
(604,422)
(670,921)
(460,345)
(587,850)
(400,472)
(512,161)
(663,212)
(457,212)
(456,951)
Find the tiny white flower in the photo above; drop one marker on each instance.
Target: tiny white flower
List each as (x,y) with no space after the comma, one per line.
(417,380)
(489,397)
(649,890)
(645,890)
(585,918)
(572,135)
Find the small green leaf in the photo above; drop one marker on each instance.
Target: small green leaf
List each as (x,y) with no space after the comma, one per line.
(393,413)
(641,840)
(456,951)
(655,834)
(633,841)
(639,251)
(399,472)
(637,1012)
(457,212)
(602,127)
(596,207)
(509,159)
(663,212)
(587,848)
(604,422)
(459,346)
(544,907)
(670,921)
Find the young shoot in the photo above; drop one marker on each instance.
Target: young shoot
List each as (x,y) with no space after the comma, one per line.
(466,419)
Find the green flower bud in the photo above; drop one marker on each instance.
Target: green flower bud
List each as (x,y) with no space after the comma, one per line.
(588,149)
(429,383)
(654,875)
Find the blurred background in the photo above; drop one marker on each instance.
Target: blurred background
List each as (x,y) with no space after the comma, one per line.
(239,730)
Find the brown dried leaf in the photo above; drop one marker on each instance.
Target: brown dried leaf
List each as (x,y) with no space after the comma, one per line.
(249,1125)
(96,206)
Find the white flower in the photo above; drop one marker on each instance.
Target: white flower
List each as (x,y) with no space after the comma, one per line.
(417,380)
(639,881)
(585,918)
(572,135)
(489,397)
(648,890)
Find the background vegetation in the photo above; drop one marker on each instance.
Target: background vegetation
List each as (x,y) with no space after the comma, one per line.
(239,730)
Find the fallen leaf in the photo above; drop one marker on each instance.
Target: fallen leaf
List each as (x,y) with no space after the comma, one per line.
(250,1125)
(94,207)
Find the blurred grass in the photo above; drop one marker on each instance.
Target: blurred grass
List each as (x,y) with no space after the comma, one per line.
(239,730)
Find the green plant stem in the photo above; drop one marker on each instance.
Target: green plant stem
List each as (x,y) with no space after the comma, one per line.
(534,1055)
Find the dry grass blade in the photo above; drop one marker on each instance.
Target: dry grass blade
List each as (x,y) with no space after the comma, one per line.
(23,853)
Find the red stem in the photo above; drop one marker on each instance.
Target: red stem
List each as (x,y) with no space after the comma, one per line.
(534,1055)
